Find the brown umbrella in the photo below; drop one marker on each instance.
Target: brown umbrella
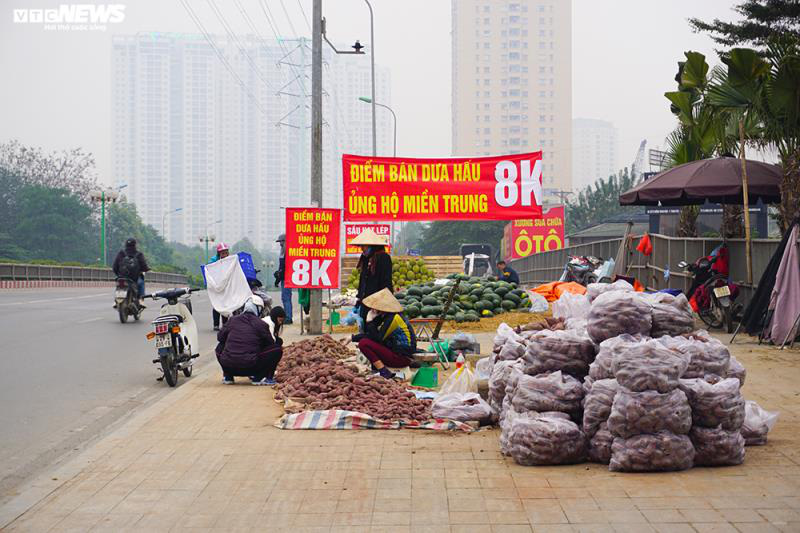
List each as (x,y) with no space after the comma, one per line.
(716,180)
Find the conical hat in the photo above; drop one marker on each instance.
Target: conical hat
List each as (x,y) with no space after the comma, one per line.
(383,300)
(368,237)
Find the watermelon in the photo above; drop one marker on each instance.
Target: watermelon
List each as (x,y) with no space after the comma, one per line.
(414,291)
(430,300)
(514,298)
(508,305)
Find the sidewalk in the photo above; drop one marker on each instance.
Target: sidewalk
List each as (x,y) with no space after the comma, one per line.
(207,457)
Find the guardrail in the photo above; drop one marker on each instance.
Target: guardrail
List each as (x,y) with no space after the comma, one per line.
(36,273)
(545,267)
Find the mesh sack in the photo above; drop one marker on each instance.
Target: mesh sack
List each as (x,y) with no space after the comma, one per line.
(571,305)
(508,416)
(617,312)
(672,315)
(757,423)
(593,290)
(602,366)
(706,354)
(548,392)
(736,370)
(715,404)
(597,404)
(497,384)
(511,350)
(660,452)
(717,446)
(633,413)
(546,440)
(649,365)
(564,350)
(600,445)
(462,407)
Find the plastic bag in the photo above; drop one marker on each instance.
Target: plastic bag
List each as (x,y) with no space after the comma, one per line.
(539,303)
(648,365)
(564,350)
(483,368)
(715,404)
(511,350)
(546,440)
(757,423)
(497,383)
(571,305)
(597,404)
(462,380)
(717,446)
(352,317)
(508,415)
(462,407)
(658,452)
(600,445)
(460,340)
(706,354)
(505,332)
(634,413)
(672,315)
(617,312)
(593,290)
(736,370)
(547,392)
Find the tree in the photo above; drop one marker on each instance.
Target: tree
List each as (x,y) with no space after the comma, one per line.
(122,223)
(763,20)
(409,236)
(599,201)
(445,237)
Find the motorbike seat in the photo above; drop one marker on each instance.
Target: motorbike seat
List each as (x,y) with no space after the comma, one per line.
(168,318)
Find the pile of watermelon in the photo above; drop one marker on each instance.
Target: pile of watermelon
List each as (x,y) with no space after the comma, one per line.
(476,298)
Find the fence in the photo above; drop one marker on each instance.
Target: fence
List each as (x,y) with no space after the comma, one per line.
(667,253)
(29,274)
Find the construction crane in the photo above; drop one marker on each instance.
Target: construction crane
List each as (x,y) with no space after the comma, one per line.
(637,167)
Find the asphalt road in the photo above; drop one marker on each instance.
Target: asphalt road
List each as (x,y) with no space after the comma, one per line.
(69,369)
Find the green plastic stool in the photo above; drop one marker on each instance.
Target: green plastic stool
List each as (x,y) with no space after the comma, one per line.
(427,377)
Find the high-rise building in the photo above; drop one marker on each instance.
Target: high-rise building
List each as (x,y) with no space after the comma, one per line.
(594,151)
(512,82)
(232,150)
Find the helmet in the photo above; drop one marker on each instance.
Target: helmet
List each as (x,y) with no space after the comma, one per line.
(281,238)
(130,243)
(221,247)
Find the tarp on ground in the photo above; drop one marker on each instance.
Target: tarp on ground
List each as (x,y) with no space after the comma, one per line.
(552,291)
(340,419)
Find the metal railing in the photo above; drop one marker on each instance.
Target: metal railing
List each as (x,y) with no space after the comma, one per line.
(667,252)
(25,272)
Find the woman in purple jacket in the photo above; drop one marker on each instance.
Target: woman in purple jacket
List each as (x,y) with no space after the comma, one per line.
(247,348)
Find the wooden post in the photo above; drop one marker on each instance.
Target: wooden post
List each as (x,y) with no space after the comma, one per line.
(746,200)
(443,316)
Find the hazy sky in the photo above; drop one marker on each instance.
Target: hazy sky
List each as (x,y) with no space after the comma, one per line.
(56,86)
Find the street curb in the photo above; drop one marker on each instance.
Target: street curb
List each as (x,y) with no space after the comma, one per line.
(42,486)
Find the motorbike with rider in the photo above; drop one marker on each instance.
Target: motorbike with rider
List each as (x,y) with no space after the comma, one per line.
(129,267)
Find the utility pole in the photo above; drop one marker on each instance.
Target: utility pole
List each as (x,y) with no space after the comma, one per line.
(316,143)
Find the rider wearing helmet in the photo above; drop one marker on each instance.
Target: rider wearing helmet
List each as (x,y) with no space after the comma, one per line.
(223,251)
(131,264)
(280,274)
(247,346)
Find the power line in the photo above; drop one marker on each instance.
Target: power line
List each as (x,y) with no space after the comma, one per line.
(289,19)
(273,26)
(303,11)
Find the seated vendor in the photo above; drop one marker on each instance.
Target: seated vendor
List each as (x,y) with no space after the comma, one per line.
(506,273)
(247,347)
(388,339)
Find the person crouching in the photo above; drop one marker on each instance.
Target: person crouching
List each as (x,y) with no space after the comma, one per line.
(389,339)
(247,348)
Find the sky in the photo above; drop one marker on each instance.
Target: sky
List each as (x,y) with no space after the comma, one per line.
(55,92)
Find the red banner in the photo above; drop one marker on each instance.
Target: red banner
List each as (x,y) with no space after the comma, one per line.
(312,248)
(351,231)
(531,236)
(479,188)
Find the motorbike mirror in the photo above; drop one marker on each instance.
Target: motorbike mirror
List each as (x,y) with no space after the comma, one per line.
(683,264)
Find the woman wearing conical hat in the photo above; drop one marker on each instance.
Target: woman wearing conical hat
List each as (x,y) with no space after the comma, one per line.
(388,340)
(374,266)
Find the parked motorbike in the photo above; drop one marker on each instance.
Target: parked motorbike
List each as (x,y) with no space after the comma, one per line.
(580,269)
(716,310)
(175,334)
(126,296)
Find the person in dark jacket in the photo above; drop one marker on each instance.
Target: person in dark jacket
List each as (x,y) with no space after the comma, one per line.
(131,264)
(506,273)
(389,339)
(246,347)
(280,275)
(374,267)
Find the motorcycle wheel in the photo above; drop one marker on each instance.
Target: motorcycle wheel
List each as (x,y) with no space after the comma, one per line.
(187,371)
(137,315)
(123,313)
(712,317)
(170,368)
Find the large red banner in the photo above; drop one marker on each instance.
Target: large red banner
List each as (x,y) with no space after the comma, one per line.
(531,236)
(478,188)
(312,248)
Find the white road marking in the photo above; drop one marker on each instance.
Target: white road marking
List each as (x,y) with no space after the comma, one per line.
(90,320)
(56,299)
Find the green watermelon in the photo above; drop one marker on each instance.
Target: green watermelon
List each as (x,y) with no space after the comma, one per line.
(429,300)
(508,305)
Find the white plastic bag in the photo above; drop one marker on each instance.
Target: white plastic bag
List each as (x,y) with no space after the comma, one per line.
(538,302)
(757,423)
(483,368)
(571,305)
(505,332)
(593,290)
(462,407)
(462,380)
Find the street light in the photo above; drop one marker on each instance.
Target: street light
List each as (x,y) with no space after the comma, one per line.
(209,238)
(164,221)
(372,61)
(103,196)
(370,101)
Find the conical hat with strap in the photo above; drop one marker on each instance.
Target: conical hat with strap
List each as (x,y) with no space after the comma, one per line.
(368,237)
(383,300)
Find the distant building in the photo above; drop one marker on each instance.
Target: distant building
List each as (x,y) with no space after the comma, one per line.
(594,151)
(186,134)
(512,82)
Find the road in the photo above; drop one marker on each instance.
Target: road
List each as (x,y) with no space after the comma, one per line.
(69,370)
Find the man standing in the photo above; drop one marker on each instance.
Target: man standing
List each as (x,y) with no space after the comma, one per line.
(131,264)
(280,274)
(223,251)
(506,273)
